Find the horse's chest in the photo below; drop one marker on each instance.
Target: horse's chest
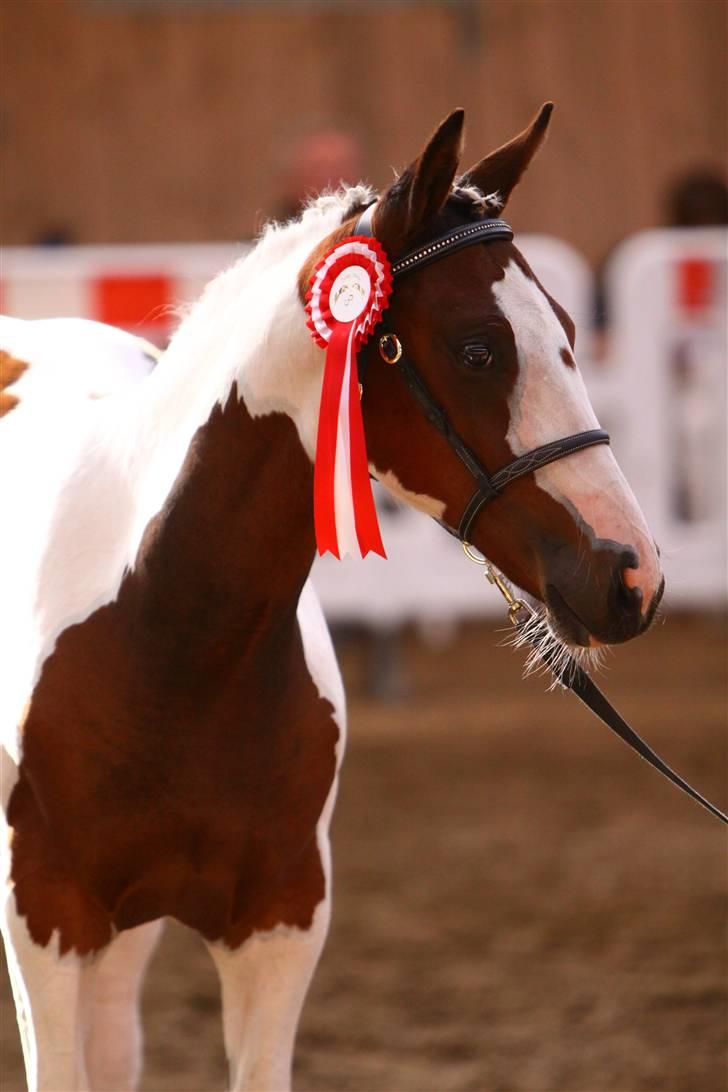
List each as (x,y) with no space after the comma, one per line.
(171,791)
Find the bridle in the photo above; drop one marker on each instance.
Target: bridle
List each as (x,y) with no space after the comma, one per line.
(488,485)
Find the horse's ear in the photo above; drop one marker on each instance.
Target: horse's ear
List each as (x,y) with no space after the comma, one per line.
(501,171)
(420,192)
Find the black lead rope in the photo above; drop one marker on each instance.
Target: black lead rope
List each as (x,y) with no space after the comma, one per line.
(574,677)
(570,675)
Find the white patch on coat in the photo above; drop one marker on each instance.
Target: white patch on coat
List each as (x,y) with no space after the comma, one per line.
(110,1025)
(46,991)
(549,401)
(324,670)
(264,984)
(429,505)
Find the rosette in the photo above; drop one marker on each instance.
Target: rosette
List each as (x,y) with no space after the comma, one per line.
(349,290)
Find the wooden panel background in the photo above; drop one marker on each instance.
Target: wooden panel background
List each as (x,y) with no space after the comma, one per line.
(161,122)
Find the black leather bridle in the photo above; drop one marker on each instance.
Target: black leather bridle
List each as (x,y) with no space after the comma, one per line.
(488,485)
(568,672)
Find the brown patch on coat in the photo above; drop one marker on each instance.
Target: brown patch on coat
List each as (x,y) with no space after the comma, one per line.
(567,358)
(8,402)
(177,754)
(11,370)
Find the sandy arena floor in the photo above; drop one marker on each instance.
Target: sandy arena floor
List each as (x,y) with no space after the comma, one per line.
(520,903)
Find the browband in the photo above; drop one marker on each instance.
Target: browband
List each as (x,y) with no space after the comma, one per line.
(455,239)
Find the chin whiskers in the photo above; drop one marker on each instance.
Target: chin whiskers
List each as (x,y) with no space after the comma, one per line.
(547,654)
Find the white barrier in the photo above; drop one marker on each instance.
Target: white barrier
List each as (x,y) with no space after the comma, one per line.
(137,287)
(671,443)
(667,390)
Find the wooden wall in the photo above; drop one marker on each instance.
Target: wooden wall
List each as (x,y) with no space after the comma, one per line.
(148,121)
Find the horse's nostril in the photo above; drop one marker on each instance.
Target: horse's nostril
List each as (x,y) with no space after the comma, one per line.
(630,576)
(629,594)
(634,595)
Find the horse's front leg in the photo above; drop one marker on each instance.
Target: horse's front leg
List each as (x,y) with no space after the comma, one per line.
(111,1026)
(46,988)
(264,984)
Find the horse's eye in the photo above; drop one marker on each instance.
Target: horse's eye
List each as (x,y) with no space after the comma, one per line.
(477,357)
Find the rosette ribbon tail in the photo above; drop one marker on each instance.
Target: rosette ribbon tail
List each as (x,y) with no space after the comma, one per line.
(343,501)
(324,509)
(365,513)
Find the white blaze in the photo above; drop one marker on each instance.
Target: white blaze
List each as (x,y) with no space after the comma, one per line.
(549,401)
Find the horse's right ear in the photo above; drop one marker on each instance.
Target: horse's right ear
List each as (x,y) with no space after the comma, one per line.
(420,192)
(500,172)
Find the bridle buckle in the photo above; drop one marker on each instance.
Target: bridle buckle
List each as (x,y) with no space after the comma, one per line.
(515,605)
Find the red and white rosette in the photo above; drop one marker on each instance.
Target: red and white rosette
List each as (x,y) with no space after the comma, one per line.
(350,288)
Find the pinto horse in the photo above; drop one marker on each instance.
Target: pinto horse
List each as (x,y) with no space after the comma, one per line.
(173,714)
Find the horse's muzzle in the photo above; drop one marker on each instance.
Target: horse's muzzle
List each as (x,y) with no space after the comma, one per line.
(591,617)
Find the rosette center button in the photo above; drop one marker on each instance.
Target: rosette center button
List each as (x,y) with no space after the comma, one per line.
(350,293)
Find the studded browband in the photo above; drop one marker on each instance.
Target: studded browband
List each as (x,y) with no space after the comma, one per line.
(488,485)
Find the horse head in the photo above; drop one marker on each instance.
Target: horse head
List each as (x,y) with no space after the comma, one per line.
(496,354)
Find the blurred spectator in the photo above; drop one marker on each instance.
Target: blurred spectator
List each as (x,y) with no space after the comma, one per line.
(697,198)
(320,159)
(55,235)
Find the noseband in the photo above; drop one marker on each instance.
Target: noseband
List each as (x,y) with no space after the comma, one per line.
(488,486)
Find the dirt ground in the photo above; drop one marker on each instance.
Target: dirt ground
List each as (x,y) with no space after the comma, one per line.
(520,903)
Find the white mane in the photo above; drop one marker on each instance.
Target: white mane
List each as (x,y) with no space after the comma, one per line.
(247,328)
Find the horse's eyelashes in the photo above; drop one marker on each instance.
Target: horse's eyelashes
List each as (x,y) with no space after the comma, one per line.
(477,357)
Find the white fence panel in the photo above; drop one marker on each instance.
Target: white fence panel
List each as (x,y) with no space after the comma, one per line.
(667,296)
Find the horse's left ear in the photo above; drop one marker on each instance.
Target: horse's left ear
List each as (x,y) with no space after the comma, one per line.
(420,192)
(500,172)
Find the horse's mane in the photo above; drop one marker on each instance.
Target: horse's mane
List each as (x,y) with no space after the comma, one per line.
(249,289)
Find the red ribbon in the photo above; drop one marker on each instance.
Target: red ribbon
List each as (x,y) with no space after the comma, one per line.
(324,469)
(335,428)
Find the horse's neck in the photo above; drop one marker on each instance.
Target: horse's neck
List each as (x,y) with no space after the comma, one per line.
(231,485)
(234,540)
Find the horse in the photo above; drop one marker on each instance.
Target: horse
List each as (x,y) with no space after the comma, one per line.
(173,714)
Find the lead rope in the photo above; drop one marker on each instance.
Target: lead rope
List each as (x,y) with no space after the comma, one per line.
(572,676)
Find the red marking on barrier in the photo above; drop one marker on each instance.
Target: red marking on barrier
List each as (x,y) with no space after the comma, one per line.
(694,284)
(133,300)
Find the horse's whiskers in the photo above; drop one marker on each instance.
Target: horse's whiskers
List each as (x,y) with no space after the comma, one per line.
(548,654)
